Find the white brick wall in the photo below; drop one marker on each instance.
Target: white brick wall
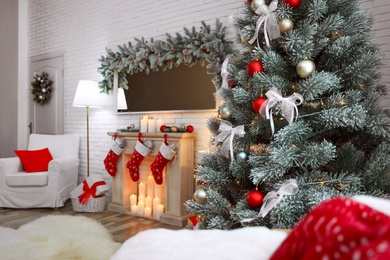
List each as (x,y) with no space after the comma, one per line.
(84,28)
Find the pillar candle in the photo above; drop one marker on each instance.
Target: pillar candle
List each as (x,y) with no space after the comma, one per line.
(157,191)
(143,128)
(150,186)
(134,209)
(141,206)
(159,123)
(151,125)
(156,202)
(160,210)
(133,200)
(148,201)
(141,189)
(148,211)
(141,198)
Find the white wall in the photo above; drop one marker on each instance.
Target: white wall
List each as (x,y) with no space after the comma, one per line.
(84,28)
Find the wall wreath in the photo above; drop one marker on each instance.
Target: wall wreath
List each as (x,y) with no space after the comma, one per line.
(41,88)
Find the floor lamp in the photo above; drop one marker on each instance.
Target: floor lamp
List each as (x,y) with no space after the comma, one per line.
(87,95)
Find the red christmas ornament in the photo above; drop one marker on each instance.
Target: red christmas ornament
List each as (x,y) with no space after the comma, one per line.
(253,67)
(292,3)
(231,83)
(189,129)
(258,103)
(255,198)
(250,1)
(162,128)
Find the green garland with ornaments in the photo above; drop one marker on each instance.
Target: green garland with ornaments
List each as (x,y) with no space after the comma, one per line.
(41,88)
(201,46)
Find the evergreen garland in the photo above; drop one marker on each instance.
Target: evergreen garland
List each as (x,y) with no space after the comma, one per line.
(41,88)
(197,46)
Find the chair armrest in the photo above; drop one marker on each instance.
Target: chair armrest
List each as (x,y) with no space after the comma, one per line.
(63,171)
(63,164)
(11,164)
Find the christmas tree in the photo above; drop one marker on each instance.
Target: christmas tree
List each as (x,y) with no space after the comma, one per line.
(300,120)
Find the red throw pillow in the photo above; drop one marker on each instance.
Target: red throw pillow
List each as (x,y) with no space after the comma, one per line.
(35,160)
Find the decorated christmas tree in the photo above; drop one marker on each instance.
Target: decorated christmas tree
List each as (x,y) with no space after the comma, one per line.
(300,120)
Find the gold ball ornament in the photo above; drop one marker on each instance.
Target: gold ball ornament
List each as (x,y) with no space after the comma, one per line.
(200,196)
(256,3)
(174,129)
(286,25)
(305,68)
(225,113)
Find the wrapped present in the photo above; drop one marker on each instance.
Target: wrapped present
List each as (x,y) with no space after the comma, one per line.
(91,187)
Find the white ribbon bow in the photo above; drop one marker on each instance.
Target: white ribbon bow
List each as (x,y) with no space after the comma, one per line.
(226,129)
(287,106)
(273,198)
(268,17)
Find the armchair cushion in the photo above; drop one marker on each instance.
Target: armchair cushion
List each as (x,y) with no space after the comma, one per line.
(17,179)
(34,160)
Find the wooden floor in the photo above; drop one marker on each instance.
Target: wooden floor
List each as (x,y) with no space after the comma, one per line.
(121,226)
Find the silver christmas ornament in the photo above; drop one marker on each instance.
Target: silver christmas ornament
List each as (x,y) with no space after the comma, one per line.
(256,3)
(242,156)
(305,68)
(286,25)
(225,113)
(200,196)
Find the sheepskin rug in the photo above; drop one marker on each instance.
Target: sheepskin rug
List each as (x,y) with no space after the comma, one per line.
(58,237)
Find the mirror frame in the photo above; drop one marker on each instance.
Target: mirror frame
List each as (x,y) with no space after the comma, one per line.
(201,46)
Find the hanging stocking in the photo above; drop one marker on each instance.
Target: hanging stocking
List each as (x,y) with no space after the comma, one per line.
(113,155)
(164,155)
(141,150)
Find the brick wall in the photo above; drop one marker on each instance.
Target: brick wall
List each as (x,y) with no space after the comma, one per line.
(84,28)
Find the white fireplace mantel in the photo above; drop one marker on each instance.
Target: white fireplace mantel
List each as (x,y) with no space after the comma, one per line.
(179,178)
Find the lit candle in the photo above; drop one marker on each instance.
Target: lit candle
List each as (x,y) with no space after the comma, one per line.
(133,200)
(160,210)
(148,201)
(144,125)
(159,123)
(134,209)
(151,125)
(156,202)
(157,191)
(141,206)
(150,186)
(141,189)
(141,198)
(148,212)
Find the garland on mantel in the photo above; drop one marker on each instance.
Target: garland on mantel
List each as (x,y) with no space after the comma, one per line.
(196,46)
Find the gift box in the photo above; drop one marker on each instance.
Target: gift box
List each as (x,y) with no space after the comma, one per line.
(91,187)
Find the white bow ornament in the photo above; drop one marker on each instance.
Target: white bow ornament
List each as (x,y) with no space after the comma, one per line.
(227,130)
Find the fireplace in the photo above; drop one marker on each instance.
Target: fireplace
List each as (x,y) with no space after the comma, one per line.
(178,184)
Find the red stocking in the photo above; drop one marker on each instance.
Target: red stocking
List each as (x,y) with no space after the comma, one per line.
(164,155)
(142,149)
(113,155)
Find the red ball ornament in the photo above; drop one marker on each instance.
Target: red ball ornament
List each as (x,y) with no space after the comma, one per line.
(250,1)
(189,129)
(292,3)
(253,67)
(231,83)
(256,105)
(162,128)
(255,198)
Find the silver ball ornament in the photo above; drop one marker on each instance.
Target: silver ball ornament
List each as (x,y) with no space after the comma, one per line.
(286,25)
(225,113)
(256,3)
(200,196)
(305,68)
(43,90)
(242,156)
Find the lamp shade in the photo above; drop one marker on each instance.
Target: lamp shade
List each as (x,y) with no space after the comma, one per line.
(87,94)
(121,99)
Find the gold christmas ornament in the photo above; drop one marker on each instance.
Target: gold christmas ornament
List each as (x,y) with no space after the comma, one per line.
(305,68)
(200,196)
(286,25)
(174,129)
(256,3)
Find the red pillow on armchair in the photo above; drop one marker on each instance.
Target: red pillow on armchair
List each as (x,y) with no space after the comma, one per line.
(34,160)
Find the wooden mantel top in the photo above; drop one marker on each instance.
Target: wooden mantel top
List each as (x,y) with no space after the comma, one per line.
(153,135)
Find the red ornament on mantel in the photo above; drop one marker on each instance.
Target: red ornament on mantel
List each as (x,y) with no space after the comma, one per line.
(189,129)
(255,198)
(293,3)
(253,67)
(256,105)
(162,128)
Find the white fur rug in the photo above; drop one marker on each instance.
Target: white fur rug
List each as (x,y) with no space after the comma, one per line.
(58,237)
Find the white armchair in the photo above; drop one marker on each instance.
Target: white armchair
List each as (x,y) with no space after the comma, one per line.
(51,188)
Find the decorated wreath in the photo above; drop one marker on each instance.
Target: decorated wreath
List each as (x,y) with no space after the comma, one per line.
(41,88)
